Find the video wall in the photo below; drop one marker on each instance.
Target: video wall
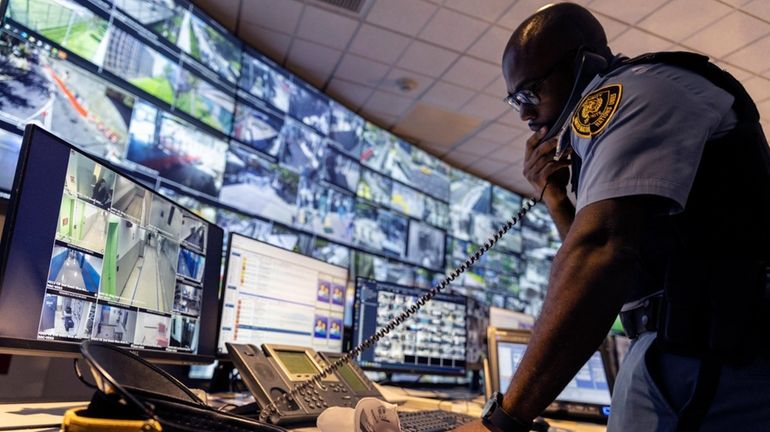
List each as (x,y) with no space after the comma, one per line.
(164,91)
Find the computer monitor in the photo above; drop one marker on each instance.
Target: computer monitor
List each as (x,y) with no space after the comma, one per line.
(89,253)
(276,296)
(433,341)
(587,396)
(504,318)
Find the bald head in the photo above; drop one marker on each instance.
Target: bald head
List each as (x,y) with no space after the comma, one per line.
(553,31)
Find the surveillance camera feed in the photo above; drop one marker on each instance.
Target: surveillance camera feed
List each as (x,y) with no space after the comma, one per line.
(340,170)
(326,211)
(433,341)
(374,187)
(380,230)
(383,269)
(417,168)
(310,107)
(123,265)
(258,128)
(260,77)
(426,246)
(345,129)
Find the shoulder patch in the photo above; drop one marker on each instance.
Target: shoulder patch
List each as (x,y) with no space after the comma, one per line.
(595,110)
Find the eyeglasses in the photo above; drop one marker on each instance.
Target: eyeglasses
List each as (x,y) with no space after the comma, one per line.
(527,93)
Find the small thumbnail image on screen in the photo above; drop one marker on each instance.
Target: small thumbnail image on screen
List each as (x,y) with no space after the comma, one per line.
(338,293)
(335,328)
(166,217)
(187,299)
(258,186)
(374,187)
(68,317)
(155,16)
(265,82)
(340,170)
(321,327)
(131,200)
(379,229)
(114,324)
(326,211)
(468,193)
(310,107)
(191,265)
(76,269)
(301,148)
(139,267)
(345,129)
(194,232)
(184,332)
(204,101)
(258,128)
(383,269)
(152,330)
(10,145)
(68,24)
(204,210)
(331,253)
(89,181)
(82,224)
(323,290)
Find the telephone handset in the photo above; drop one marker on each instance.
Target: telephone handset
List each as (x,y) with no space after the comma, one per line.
(587,66)
(272,371)
(273,404)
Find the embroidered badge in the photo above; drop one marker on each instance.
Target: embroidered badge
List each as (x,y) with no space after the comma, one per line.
(595,110)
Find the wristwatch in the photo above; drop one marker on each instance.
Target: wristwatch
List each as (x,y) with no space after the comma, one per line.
(494,417)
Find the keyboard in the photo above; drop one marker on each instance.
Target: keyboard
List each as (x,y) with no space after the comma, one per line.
(432,421)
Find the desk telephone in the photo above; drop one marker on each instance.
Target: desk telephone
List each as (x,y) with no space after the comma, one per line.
(292,384)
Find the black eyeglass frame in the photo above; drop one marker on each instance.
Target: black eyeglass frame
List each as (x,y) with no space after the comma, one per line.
(527,92)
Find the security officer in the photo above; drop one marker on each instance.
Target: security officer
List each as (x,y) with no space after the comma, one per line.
(671,172)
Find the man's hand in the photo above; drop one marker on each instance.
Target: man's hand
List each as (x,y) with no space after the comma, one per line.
(475,426)
(540,168)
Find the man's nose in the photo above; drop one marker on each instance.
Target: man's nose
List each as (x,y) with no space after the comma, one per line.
(527,112)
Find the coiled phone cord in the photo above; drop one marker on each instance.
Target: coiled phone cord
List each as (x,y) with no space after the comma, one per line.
(271,409)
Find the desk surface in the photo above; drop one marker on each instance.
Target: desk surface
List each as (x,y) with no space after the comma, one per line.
(25,416)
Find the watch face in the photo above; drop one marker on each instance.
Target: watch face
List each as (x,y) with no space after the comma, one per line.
(489,407)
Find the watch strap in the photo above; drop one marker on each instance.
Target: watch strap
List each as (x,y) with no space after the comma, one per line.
(499,421)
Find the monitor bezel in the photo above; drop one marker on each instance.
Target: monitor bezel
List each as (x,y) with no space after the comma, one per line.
(223,286)
(49,348)
(429,370)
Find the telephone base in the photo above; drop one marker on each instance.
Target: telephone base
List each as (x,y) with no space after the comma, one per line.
(248,410)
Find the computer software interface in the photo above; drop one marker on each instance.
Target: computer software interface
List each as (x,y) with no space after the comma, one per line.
(433,340)
(276,296)
(126,265)
(588,386)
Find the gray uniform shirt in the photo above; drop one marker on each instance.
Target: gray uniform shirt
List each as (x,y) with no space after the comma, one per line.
(650,141)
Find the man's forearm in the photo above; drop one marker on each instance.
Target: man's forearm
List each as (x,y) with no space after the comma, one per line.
(589,281)
(561,209)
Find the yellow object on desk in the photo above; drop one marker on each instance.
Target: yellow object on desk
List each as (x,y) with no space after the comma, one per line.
(75,421)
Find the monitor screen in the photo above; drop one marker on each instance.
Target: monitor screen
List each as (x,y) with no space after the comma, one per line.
(432,341)
(91,254)
(508,319)
(281,297)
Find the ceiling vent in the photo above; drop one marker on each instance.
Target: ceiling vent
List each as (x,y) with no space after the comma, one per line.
(354,6)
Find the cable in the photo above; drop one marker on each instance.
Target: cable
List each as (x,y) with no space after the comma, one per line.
(270,411)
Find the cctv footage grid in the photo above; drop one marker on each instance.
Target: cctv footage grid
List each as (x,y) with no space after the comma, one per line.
(276,296)
(433,339)
(126,266)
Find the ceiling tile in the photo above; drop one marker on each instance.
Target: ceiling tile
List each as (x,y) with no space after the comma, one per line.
(387,103)
(635,42)
(728,34)
(405,16)
(676,19)
(453,30)
(488,10)
(478,146)
(436,125)
(447,96)
(271,43)
(434,149)
(497,88)
(327,28)
(459,159)
(522,9)
(759,8)
(280,15)
(737,3)
(385,121)
(631,12)
(755,57)
(391,83)
(472,73)
(351,94)
(764,111)
(485,107)
(376,43)
(313,62)
(427,59)
(491,45)
(500,133)
(612,28)
(739,73)
(758,88)
(511,117)
(224,12)
(360,70)
(486,168)
(507,153)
